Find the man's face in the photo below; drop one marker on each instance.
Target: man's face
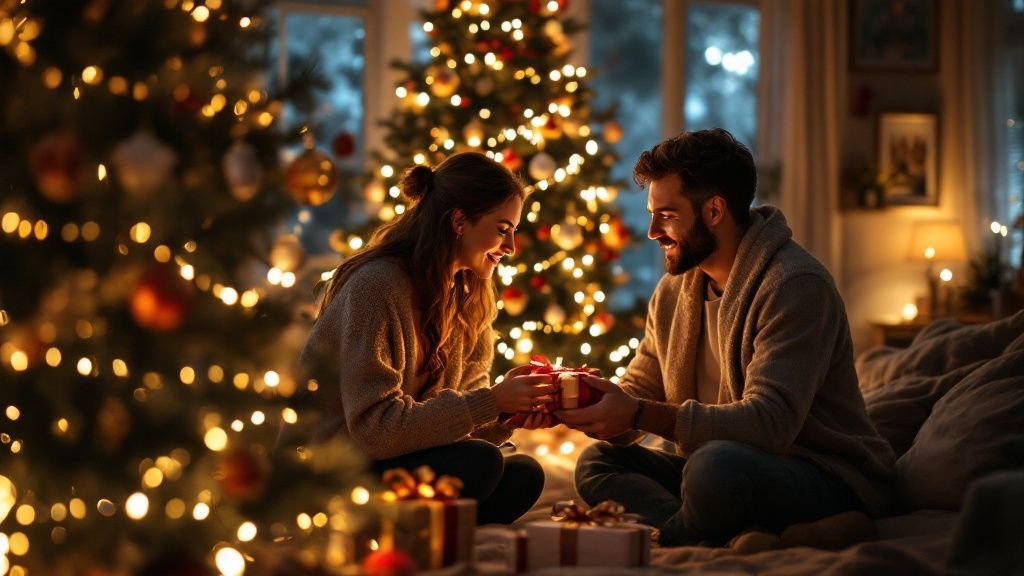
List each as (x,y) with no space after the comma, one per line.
(675,225)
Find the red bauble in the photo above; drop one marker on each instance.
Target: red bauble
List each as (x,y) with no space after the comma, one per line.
(511,160)
(161,299)
(57,163)
(389,563)
(343,145)
(544,233)
(605,320)
(187,102)
(242,475)
(514,300)
(617,236)
(538,282)
(609,255)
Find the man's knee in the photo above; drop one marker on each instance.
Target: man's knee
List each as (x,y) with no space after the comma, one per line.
(716,483)
(594,462)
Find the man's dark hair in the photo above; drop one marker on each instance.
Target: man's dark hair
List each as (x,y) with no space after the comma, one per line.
(709,163)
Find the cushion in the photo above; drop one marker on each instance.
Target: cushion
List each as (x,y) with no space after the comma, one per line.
(943,346)
(899,409)
(975,429)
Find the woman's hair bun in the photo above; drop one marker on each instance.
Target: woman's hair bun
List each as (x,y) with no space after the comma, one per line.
(417,182)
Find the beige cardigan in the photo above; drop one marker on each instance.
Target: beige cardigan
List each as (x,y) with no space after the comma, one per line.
(363,353)
(788,380)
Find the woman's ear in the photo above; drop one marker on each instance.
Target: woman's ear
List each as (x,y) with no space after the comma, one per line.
(458,221)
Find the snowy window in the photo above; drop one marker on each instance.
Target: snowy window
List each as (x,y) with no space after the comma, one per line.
(668,67)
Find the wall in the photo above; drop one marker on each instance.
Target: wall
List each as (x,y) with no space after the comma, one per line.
(876,277)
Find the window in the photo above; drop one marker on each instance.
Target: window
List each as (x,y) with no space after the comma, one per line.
(332,38)
(625,53)
(1014,165)
(722,69)
(699,73)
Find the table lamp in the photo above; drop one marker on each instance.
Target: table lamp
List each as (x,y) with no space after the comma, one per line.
(933,242)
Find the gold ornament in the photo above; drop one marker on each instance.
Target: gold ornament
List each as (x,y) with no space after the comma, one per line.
(612,132)
(554,315)
(287,253)
(445,83)
(542,166)
(242,170)
(311,178)
(474,133)
(568,235)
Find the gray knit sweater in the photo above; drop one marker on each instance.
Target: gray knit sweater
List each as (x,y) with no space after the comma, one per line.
(363,353)
(788,380)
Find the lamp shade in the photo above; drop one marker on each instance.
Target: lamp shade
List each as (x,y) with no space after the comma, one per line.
(937,241)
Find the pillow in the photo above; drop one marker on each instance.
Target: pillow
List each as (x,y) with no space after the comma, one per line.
(975,429)
(899,409)
(943,346)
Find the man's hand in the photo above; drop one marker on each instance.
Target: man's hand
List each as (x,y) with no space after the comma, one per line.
(610,417)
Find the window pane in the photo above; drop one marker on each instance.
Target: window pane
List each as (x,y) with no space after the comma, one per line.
(1015,131)
(420,43)
(334,42)
(722,64)
(625,55)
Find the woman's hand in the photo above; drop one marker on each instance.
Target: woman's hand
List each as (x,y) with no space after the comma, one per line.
(536,420)
(523,393)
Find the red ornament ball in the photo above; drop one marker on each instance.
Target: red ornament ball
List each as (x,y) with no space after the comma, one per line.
(538,282)
(511,160)
(514,300)
(343,145)
(389,563)
(57,163)
(242,475)
(544,233)
(161,299)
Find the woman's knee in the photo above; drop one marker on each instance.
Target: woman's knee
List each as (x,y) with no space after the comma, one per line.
(527,473)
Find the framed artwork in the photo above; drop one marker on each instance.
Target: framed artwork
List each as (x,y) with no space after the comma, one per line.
(894,35)
(908,152)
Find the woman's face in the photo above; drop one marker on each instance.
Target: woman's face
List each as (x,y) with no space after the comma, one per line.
(486,241)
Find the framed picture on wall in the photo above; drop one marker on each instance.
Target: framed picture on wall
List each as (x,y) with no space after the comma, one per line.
(894,36)
(908,152)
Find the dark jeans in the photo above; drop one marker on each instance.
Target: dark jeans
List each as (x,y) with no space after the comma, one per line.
(505,487)
(723,488)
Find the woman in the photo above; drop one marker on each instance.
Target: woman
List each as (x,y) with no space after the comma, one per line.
(405,331)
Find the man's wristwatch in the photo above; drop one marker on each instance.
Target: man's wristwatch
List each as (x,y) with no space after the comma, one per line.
(639,412)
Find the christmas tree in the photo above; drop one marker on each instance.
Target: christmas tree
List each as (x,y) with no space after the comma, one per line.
(147,309)
(499,81)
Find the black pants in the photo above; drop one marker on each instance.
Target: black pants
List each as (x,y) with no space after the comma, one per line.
(723,488)
(505,487)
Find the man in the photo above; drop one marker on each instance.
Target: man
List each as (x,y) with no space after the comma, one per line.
(746,364)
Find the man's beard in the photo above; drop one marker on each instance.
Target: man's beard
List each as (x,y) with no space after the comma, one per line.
(697,245)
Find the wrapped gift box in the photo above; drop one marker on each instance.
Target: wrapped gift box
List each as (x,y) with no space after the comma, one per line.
(502,546)
(602,536)
(434,533)
(553,543)
(572,390)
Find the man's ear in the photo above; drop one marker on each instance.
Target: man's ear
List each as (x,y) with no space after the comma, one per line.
(714,210)
(458,221)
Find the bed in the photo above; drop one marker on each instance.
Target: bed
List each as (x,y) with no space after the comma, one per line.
(951,405)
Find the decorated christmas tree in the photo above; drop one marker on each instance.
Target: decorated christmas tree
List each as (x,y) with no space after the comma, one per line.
(148,318)
(499,80)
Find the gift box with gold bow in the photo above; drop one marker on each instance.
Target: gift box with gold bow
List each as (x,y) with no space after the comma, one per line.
(603,536)
(424,517)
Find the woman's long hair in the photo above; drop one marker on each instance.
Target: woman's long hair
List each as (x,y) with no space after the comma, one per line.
(424,241)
